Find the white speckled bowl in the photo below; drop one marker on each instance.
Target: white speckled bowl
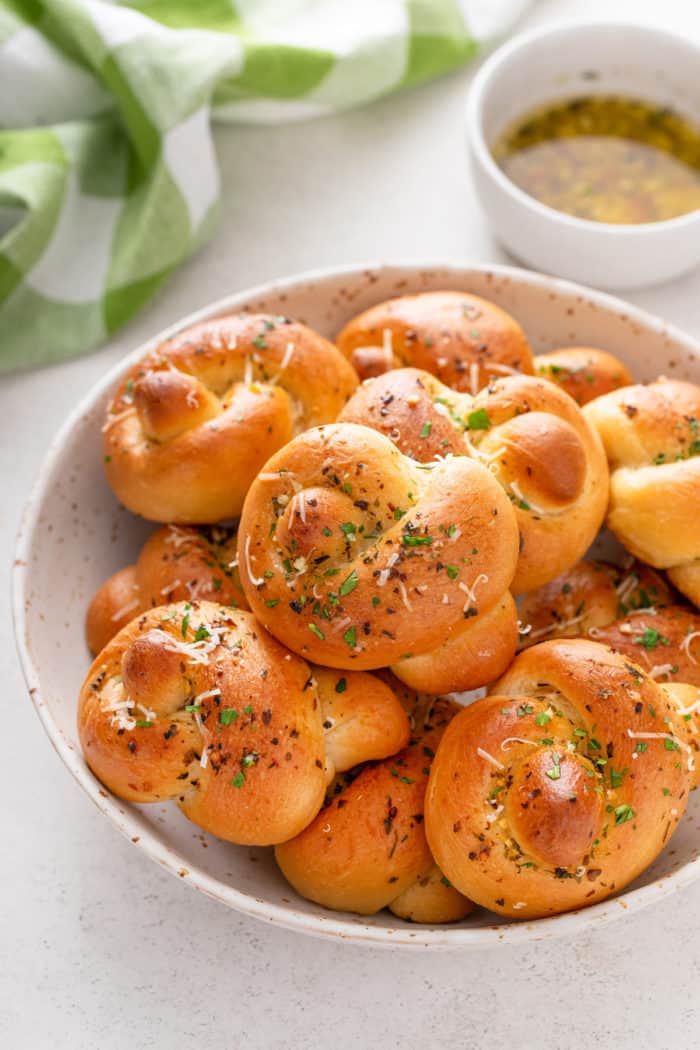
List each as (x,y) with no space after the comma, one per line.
(552,63)
(74,534)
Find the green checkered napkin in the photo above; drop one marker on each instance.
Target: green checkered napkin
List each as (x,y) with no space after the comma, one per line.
(108,177)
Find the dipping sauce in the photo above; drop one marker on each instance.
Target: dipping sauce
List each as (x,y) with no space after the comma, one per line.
(605,158)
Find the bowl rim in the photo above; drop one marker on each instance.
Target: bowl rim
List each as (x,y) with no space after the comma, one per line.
(125,819)
(488,74)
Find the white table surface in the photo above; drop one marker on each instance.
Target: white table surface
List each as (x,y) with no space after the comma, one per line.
(99,948)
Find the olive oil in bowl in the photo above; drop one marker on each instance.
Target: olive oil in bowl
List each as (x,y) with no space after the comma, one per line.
(605,158)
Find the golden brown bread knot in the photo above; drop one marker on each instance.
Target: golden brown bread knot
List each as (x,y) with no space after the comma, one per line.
(562,786)
(583,372)
(354,556)
(176,563)
(192,423)
(651,438)
(664,641)
(632,611)
(590,594)
(197,703)
(366,849)
(462,339)
(532,437)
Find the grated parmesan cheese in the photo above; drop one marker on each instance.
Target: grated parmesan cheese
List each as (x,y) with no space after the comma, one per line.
(474,378)
(404,596)
(177,537)
(113,420)
(386,571)
(665,736)
(125,609)
(684,645)
(489,758)
(558,625)
(659,669)
(517,492)
(255,580)
(470,591)
(516,740)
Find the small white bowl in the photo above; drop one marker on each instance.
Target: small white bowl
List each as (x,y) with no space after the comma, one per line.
(74,534)
(575,59)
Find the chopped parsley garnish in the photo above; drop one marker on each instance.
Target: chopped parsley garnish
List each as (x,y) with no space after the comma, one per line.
(623,813)
(671,745)
(341,685)
(239,779)
(616,778)
(479,420)
(543,718)
(425,430)
(143,723)
(452,571)
(555,772)
(227,716)
(201,633)
(651,638)
(317,631)
(416,541)
(349,584)
(350,637)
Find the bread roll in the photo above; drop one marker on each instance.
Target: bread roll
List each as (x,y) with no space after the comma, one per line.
(651,438)
(583,372)
(354,556)
(197,703)
(366,850)
(560,787)
(463,340)
(591,594)
(531,436)
(176,563)
(190,425)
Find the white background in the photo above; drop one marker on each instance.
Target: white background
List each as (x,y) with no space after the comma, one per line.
(100,949)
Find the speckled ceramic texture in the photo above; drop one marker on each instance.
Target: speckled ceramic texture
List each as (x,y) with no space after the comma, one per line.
(74,534)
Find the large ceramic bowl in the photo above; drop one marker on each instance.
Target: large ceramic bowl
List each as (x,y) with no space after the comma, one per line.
(74,534)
